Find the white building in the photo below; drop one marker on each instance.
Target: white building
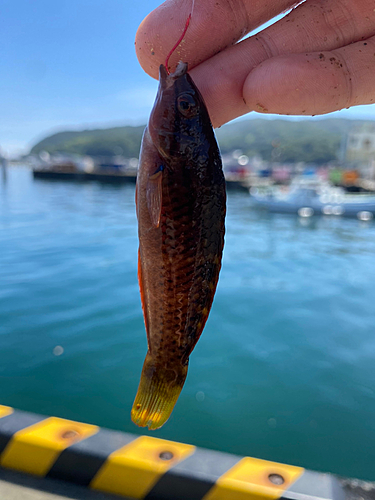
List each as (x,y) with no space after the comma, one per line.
(361,144)
(360,149)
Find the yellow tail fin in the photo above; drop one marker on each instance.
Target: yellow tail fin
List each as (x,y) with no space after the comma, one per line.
(157,394)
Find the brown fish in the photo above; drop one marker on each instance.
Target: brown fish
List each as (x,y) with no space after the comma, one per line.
(180,201)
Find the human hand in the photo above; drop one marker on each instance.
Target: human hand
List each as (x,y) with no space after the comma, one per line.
(317,59)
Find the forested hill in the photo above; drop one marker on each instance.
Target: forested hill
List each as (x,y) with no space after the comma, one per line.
(315,141)
(96,142)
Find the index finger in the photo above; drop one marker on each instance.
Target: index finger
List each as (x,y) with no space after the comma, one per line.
(215,25)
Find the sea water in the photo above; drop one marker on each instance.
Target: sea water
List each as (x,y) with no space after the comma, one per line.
(285,368)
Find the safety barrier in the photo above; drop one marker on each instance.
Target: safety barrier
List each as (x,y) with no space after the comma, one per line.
(146,467)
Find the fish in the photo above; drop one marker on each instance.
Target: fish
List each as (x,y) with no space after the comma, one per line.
(181,207)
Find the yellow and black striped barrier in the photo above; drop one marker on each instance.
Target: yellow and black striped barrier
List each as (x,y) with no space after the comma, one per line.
(146,467)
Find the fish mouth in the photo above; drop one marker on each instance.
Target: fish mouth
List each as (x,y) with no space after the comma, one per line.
(166,80)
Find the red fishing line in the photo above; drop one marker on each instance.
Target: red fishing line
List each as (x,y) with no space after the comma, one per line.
(178,43)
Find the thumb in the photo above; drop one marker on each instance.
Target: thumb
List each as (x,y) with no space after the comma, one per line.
(313,83)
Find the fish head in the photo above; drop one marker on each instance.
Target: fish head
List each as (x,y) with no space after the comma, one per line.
(178,115)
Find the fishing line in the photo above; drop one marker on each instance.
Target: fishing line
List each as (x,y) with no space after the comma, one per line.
(181,37)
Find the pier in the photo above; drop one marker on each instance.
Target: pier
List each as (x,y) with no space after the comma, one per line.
(118,178)
(83,461)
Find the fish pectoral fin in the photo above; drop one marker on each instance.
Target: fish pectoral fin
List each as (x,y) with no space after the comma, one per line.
(157,394)
(154,196)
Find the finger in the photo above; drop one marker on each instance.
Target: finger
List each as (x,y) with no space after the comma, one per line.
(314,83)
(215,25)
(312,26)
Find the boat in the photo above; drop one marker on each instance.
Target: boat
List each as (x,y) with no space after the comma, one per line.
(308,197)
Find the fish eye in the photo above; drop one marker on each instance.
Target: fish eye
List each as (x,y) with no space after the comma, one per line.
(187,105)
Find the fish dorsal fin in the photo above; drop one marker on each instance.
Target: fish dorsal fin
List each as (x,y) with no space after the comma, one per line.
(154,196)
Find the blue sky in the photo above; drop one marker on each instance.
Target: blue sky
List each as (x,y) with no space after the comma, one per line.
(71,64)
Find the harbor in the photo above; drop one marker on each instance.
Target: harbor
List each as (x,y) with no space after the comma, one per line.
(340,187)
(299,245)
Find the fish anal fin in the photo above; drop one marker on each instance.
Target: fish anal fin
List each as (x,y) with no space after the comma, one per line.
(136,198)
(154,196)
(142,292)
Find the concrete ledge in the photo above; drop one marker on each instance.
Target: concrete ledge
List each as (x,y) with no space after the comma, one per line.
(145,467)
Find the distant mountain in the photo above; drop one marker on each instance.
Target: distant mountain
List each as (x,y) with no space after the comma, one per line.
(125,141)
(316,141)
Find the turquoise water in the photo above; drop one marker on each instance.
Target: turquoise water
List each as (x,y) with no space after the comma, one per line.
(284,371)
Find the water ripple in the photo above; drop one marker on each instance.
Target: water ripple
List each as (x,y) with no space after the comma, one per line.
(284,369)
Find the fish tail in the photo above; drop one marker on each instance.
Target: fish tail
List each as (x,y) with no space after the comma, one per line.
(157,393)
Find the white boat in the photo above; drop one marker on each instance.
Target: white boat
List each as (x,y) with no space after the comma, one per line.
(308,197)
